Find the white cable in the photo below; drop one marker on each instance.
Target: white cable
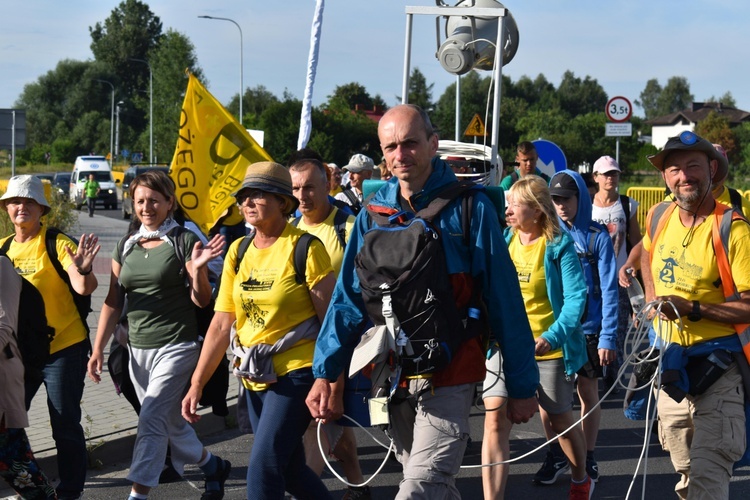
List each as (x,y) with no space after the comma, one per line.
(336,474)
(635,336)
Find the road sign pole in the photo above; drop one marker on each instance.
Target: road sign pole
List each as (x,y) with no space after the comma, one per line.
(617,151)
(13,145)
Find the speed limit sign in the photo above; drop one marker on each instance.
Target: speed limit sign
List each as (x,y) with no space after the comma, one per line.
(619,109)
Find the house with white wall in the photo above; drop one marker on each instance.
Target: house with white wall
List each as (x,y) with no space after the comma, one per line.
(664,127)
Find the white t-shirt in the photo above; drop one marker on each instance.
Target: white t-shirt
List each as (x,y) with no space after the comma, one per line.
(613,218)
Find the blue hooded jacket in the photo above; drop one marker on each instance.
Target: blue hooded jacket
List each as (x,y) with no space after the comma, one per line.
(486,260)
(566,290)
(601,316)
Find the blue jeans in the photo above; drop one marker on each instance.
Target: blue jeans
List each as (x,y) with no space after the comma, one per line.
(63,379)
(277,461)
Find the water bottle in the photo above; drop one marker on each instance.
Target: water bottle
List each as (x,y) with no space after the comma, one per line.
(635,292)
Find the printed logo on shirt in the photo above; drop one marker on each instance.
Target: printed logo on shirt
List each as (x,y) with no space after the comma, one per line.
(255,315)
(259,281)
(676,272)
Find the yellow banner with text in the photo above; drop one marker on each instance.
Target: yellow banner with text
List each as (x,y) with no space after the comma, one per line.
(213,151)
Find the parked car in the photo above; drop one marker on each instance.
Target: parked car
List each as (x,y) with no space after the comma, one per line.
(61,182)
(130,174)
(46,176)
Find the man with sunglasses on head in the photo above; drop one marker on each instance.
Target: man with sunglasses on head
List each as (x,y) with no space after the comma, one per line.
(700,333)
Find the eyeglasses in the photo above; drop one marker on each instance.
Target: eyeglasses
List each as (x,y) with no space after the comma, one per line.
(250,194)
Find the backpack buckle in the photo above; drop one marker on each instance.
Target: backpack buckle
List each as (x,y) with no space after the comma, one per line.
(387,305)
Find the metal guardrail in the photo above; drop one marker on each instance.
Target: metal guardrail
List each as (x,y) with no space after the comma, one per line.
(646,197)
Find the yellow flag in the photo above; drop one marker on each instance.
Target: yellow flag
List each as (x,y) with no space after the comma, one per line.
(213,151)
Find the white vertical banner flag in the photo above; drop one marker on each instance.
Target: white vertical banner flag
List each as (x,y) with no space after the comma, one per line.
(305,121)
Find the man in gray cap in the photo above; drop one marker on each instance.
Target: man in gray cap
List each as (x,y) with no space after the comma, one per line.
(360,169)
(702,331)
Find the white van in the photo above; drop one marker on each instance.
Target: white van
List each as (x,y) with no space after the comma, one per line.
(97,165)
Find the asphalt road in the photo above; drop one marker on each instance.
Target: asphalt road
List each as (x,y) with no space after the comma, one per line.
(619,447)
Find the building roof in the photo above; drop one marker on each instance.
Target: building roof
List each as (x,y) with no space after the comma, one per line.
(374,114)
(699,111)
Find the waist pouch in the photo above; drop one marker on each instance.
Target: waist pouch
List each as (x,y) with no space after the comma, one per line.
(704,371)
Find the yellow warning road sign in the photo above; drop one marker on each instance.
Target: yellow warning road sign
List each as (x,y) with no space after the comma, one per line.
(476,127)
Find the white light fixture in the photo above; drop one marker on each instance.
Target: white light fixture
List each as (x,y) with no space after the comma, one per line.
(470,40)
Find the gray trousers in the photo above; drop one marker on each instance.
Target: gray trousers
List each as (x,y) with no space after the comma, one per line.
(430,430)
(160,377)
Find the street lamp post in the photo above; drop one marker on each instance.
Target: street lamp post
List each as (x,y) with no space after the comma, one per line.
(242,86)
(111,122)
(117,130)
(150,109)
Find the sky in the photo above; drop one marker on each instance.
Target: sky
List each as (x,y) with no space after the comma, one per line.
(621,44)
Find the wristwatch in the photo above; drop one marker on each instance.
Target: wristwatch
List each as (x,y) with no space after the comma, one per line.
(695,314)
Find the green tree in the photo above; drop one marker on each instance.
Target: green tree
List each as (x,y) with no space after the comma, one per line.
(578,97)
(474,91)
(58,102)
(169,60)
(727,99)
(715,128)
(675,97)
(130,31)
(254,102)
(649,99)
(420,93)
(353,94)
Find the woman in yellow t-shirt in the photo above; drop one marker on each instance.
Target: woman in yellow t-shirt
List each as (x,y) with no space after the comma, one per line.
(554,293)
(276,320)
(64,373)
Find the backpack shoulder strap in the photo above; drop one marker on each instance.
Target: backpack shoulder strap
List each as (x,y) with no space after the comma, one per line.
(735,198)
(593,233)
(242,250)
(722,226)
(50,241)
(300,257)
(295,222)
(177,237)
(339,225)
(625,202)
(352,197)
(6,245)
(444,197)
(656,220)
(514,176)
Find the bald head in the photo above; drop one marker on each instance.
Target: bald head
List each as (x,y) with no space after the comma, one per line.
(409,143)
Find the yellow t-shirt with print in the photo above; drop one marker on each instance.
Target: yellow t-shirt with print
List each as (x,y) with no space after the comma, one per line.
(683,264)
(32,261)
(326,231)
(266,299)
(529,262)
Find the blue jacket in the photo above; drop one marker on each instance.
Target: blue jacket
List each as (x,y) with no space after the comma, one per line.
(601,316)
(486,261)
(566,291)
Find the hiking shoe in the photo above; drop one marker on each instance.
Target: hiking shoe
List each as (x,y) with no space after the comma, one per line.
(357,493)
(552,468)
(582,491)
(221,475)
(592,469)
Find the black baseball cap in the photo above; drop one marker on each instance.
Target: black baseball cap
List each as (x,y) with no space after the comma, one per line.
(563,185)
